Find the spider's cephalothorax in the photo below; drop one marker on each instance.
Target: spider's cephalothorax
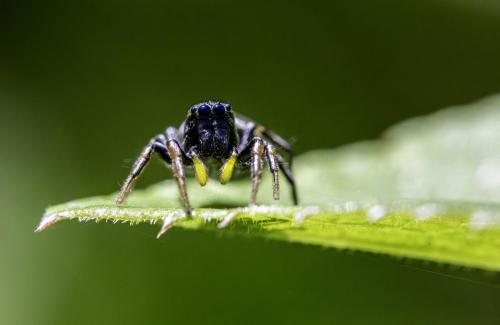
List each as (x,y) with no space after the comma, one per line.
(213,141)
(209,129)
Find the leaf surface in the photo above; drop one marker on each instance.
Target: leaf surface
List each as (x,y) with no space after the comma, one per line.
(428,189)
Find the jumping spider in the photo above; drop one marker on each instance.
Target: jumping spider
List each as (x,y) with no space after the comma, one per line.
(213,138)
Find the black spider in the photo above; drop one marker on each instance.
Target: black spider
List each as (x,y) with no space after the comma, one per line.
(212,138)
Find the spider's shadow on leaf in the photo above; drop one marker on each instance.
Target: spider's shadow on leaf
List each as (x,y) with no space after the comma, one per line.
(220,205)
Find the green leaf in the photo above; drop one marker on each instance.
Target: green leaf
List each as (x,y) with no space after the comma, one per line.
(428,189)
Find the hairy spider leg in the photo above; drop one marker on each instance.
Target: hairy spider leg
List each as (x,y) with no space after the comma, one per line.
(171,152)
(176,154)
(289,177)
(274,168)
(257,164)
(275,138)
(250,129)
(287,147)
(277,141)
(157,144)
(254,152)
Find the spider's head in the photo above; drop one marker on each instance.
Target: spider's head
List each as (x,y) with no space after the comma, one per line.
(211,109)
(210,127)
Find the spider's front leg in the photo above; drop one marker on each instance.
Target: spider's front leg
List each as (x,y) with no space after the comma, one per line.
(274,145)
(155,145)
(171,152)
(256,165)
(287,171)
(272,160)
(176,154)
(254,153)
(284,165)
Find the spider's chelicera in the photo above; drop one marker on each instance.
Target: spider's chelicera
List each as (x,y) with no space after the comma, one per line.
(213,141)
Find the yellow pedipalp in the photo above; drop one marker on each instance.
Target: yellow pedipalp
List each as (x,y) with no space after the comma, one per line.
(226,171)
(200,170)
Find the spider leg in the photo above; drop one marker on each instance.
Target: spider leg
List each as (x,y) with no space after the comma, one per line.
(274,168)
(275,138)
(289,177)
(155,145)
(171,152)
(176,154)
(285,166)
(281,143)
(246,136)
(257,164)
(254,152)
(250,129)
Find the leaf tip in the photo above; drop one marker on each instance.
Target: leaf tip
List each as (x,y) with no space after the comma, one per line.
(168,222)
(47,221)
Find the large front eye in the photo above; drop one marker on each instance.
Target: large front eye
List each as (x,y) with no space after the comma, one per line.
(219,109)
(204,110)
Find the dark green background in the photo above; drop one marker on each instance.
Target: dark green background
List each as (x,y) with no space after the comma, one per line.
(85,84)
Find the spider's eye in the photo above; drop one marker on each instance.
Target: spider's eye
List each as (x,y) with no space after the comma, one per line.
(219,109)
(228,108)
(193,110)
(204,110)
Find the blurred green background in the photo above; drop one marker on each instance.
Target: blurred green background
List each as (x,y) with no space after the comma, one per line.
(85,84)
